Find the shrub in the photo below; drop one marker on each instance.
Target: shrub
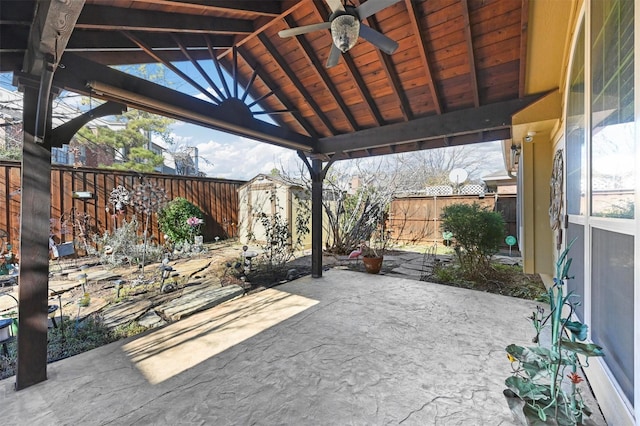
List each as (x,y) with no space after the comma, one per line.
(174,220)
(477,234)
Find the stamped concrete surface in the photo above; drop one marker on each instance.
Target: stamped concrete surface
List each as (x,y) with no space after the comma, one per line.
(348,348)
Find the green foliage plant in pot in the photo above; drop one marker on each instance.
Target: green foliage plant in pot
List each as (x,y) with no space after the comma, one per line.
(543,386)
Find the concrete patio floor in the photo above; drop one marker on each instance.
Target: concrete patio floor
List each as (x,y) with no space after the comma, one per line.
(349,348)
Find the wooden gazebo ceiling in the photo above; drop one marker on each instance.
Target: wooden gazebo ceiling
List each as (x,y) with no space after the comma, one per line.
(456,78)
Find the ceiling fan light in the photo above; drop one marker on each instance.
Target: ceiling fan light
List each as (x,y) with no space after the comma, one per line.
(344,31)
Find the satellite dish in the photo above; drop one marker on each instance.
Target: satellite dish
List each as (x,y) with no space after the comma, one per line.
(458,176)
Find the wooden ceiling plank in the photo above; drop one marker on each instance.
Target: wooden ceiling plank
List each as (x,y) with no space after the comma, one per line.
(214,58)
(422,49)
(149,51)
(321,72)
(291,76)
(524,22)
(280,94)
(391,74)
(198,67)
(287,8)
(472,120)
(110,18)
(472,62)
(359,82)
(152,97)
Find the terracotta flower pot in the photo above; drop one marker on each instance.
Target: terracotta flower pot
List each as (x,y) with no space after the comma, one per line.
(372,264)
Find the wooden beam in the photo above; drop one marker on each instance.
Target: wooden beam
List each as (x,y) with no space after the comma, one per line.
(441,142)
(472,120)
(50,31)
(359,83)
(280,94)
(97,41)
(258,7)
(152,97)
(282,63)
(217,65)
(112,18)
(418,33)
(62,134)
(524,28)
(34,248)
(470,55)
(321,72)
(149,51)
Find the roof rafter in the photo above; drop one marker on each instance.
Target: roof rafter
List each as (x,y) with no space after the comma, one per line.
(422,49)
(320,70)
(524,25)
(279,93)
(470,55)
(111,18)
(265,8)
(392,75)
(197,66)
(149,51)
(282,63)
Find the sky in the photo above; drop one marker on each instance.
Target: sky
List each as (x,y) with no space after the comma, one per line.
(227,156)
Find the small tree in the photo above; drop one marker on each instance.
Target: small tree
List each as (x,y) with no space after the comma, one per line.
(174,220)
(477,234)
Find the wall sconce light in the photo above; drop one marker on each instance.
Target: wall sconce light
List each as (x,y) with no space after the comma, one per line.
(529,137)
(515,154)
(82,195)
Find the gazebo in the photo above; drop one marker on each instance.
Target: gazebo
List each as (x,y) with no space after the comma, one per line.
(422,75)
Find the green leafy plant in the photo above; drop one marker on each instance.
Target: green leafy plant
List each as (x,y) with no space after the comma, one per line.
(279,244)
(175,220)
(477,235)
(545,377)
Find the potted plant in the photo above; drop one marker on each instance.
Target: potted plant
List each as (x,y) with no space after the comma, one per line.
(543,386)
(373,253)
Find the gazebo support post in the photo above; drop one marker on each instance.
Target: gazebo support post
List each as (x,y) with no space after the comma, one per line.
(34,247)
(318,174)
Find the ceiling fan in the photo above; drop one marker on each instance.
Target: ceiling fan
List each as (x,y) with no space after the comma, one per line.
(344,24)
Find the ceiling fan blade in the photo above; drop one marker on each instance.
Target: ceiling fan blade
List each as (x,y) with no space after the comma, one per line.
(379,40)
(334,56)
(335,5)
(370,7)
(304,29)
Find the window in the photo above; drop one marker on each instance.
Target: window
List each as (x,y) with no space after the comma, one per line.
(612,110)
(575,133)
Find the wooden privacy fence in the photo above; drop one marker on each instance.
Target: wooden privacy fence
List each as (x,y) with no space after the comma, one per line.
(217,198)
(416,219)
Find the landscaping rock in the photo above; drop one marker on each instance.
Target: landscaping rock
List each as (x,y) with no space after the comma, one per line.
(151,320)
(124,312)
(198,300)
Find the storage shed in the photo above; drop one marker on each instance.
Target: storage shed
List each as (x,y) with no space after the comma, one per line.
(270,195)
